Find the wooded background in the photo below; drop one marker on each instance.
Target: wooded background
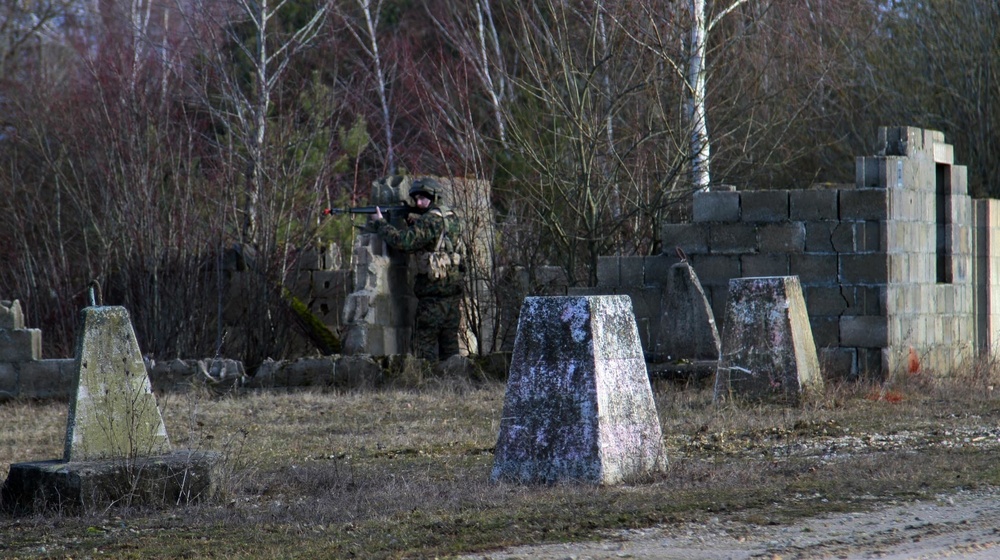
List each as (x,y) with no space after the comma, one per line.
(151,144)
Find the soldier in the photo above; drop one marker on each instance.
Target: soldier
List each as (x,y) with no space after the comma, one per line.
(434,236)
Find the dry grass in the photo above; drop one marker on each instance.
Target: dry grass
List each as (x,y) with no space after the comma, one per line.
(404,473)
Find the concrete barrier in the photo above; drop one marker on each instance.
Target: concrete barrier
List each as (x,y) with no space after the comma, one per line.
(578,405)
(767,346)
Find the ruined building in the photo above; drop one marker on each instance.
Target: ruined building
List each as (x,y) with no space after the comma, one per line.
(902,259)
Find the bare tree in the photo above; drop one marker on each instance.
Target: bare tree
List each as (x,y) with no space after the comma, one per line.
(363,26)
(266,51)
(473,32)
(590,127)
(934,64)
(701,27)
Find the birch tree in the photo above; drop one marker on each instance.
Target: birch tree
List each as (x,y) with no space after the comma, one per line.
(266,51)
(701,28)
(363,25)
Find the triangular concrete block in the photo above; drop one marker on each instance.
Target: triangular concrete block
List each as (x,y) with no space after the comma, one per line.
(579,406)
(768,350)
(687,325)
(113,412)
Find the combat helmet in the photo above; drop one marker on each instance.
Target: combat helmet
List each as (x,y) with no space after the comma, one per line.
(426,186)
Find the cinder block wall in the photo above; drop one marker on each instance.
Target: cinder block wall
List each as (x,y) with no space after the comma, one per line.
(986,239)
(930,304)
(643,279)
(831,237)
(887,264)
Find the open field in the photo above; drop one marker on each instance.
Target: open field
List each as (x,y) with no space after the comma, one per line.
(405,472)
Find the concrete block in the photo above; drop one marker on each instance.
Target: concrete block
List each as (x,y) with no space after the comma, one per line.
(764,206)
(45,487)
(900,140)
(771,264)
(687,325)
(844,237)
(880,172)
(932,137)
(309,260)
(331,283)
(944,153)
(866,172)
(825,300)
(863,204)
(819,236)
(768,350)
(20,345)
(578,406)
(872,239)
(716,269)
(959,180)
(632,273)
(716,206)
(814,270)
(657,268)
(48,379)
(691,238)
(330,257)
(327,310)
(783,238)
(838,363)
(825,331)
(733,239)
(865,268)
(870,300)
(609,271)
(646,300)
(813,204)
(113,413)
(11,316)
(864,331)
(300,284)
(9,384)
(872,363)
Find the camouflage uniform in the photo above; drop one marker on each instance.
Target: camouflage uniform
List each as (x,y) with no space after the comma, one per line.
(439,301)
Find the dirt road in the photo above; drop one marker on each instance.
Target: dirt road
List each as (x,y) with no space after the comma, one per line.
(964,525)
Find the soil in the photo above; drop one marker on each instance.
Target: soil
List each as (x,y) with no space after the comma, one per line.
(962,525)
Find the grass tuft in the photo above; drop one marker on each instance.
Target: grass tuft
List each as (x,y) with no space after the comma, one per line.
(398,473)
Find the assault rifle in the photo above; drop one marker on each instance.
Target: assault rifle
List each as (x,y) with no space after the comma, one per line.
(388,211)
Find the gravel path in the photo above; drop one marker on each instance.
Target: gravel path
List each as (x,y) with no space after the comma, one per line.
(964,525)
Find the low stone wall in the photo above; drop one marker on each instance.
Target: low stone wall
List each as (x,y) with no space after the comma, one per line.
(53,379)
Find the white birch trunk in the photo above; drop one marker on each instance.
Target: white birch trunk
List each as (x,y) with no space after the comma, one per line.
(366,7)
(697,112)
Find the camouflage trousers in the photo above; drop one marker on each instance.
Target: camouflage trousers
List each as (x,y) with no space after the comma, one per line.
(436,334)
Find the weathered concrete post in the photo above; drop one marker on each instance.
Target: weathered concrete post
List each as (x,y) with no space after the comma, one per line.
(767,345)
(687,324)
(578,406)
(117,450)
(113,413)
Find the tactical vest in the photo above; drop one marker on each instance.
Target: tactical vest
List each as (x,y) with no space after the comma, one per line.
(446,257)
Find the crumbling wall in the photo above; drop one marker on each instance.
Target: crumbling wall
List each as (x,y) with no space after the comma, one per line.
(902,259)
(886,264)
